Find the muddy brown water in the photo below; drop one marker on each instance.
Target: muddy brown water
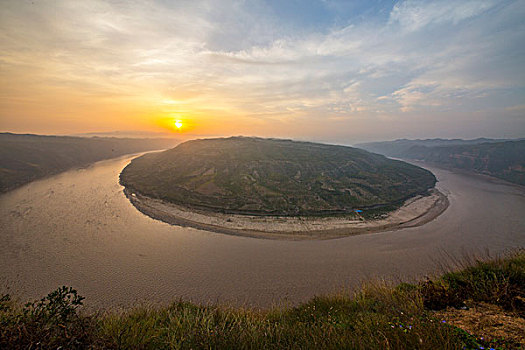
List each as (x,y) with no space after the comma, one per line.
(78,229)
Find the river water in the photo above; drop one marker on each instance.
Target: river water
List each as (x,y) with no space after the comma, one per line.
(78,229)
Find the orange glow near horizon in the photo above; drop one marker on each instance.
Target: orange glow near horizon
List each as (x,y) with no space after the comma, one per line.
(175,124)
(179,69)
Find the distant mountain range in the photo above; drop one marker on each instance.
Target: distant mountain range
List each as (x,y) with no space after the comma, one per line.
(26,157)
(504,159)
(126,134)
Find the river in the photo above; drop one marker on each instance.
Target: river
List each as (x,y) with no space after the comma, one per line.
(78,229)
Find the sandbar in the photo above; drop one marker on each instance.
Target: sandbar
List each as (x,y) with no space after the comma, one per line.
(416,211)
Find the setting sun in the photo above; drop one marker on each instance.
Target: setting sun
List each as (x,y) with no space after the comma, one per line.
(178,124)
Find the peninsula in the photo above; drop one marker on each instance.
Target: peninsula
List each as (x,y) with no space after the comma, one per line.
(276,188)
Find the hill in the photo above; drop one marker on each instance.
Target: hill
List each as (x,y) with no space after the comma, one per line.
(398,148)
(24,158)
(274,177)
(504,160)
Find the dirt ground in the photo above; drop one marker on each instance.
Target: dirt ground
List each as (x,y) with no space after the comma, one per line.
(489,323)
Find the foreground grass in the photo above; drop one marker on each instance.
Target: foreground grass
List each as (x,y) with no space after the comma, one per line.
(377,317)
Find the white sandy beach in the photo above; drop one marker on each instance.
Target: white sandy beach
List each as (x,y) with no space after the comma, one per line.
(415,212)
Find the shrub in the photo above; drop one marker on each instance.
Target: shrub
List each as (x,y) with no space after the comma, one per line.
(498,281)
(50,322)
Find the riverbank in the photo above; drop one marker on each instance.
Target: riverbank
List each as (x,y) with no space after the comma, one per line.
(414,212)
(115,255)
(480,306)
(25,158)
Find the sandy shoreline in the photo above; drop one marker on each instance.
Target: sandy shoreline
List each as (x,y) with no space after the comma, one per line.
(416,211)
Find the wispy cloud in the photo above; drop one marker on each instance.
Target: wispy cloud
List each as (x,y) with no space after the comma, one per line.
(248,62)
(416,14)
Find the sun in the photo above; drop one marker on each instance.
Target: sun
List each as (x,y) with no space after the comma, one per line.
(178,124)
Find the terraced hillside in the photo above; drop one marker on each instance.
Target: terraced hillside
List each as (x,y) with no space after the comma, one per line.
(273,177)
(504,160)
(25,158)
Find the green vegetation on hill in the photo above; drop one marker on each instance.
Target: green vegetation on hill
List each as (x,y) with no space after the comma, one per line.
(24,158)
(376,317)
(504,160)
(398,148)
(274,177)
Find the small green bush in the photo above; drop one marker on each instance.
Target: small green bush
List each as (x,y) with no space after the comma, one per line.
(498,281)
(59,306)
(50,322)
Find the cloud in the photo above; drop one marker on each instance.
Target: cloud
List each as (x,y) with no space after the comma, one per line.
(516,108)
(240,59)
(416,14)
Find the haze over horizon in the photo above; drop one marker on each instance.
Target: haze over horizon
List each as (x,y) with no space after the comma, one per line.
(321,70)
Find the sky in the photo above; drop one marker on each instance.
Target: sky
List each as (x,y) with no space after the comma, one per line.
(321,70)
